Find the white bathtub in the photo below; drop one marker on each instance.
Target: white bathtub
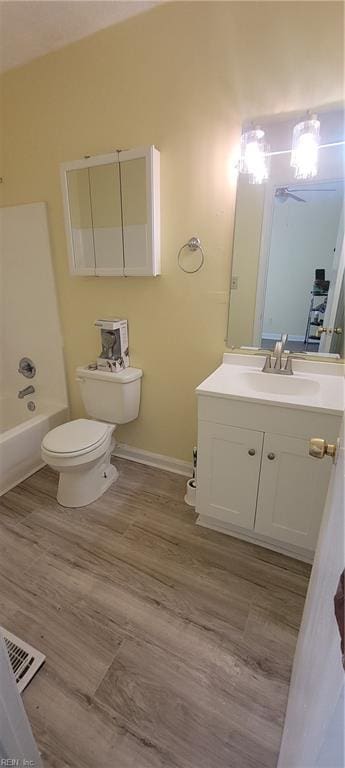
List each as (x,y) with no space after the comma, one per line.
(21,434)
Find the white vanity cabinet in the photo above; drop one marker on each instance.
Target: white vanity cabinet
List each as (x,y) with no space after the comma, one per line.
(261,482)
(112,213)
(255,477)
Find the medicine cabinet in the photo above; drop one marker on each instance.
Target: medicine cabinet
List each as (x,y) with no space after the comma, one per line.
(112,213)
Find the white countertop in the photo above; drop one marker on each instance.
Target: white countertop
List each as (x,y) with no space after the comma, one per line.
(313,386)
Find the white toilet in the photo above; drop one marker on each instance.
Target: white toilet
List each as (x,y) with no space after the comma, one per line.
(80,450)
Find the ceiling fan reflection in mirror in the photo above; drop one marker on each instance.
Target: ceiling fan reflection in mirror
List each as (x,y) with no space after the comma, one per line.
(283,194)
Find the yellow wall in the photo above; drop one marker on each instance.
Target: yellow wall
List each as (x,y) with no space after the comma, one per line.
(182,77)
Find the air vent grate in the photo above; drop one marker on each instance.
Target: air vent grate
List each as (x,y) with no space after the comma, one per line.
(24,659)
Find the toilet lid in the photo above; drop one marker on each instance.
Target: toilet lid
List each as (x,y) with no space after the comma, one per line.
(75,436)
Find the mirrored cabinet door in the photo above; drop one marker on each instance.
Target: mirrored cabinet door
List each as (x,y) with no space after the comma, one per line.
(106,218)
(80,218)
(134,211)
(139,169)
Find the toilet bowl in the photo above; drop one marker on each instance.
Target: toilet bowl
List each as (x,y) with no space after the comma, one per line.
(80,450)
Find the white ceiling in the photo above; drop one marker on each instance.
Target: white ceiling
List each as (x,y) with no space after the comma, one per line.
(31,28)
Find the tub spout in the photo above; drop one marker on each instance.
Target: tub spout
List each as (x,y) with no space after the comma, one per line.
(26,391)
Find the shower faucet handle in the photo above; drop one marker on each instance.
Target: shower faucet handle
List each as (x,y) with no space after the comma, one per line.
(27,368)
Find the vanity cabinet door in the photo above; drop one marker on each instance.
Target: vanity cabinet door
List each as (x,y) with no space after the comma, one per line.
(228,473)
(292,492)
(139,173)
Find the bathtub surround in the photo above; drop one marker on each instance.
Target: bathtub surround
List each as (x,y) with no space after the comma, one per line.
(29,327)
(198,71)
(29,310)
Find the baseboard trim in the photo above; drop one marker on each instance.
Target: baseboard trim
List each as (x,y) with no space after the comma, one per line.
(284,549)
(158,460)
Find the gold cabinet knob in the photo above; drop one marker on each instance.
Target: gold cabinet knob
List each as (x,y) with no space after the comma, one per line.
(319,448)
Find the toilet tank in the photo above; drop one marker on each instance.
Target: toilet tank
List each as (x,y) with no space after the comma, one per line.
(111,397)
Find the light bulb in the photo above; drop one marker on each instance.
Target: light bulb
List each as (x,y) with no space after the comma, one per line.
(305,148)
(253,157)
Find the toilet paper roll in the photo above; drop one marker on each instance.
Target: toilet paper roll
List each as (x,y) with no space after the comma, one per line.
(190,492)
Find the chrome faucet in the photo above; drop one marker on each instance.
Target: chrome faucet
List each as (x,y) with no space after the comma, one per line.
(288,365)
(278,351)
(26,391)
(277,355)
(287,370)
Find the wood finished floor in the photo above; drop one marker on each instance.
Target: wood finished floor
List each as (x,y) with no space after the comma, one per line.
(168,645)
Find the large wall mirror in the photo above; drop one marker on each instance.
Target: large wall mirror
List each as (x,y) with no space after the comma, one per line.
(288,247)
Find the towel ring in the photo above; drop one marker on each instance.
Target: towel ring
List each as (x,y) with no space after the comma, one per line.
(193,244)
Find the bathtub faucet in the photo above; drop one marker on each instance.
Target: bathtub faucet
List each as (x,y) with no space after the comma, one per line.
(26,391)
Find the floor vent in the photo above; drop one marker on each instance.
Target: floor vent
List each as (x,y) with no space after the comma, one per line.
(25,660)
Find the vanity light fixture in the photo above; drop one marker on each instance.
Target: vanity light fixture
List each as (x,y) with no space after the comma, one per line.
(254,155)
(305,147)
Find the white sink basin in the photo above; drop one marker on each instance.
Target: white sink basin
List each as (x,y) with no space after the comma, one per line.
(313,386)
(278,384)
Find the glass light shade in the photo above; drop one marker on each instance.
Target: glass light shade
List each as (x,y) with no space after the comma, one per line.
(253,157)
(305,148)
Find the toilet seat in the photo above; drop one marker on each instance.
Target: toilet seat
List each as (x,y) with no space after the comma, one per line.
(76,438)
